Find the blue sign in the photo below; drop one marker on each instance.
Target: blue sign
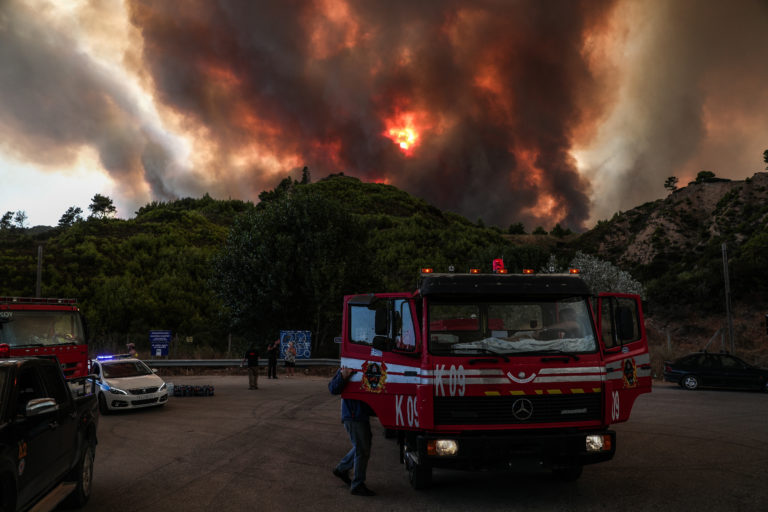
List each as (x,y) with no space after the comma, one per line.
(302,340)
(160,341)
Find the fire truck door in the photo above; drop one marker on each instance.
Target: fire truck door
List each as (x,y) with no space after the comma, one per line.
(403,365)
(383,346)
(624,343)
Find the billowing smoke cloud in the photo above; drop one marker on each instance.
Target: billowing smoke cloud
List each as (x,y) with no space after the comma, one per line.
(533,112)
(54,101)
(490,91)
(691,97)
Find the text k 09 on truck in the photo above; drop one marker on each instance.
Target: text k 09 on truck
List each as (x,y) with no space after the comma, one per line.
(497,371)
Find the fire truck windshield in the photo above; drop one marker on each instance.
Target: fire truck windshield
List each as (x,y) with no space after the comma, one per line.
(40,328)
(509,328)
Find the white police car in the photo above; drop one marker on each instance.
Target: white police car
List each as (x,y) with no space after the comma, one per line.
(127,383)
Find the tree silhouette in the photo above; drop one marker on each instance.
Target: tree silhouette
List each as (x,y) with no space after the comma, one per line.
(101,207)
(20,218)
(704,176)
(559,231)
(671,183)
(6,220)
(72,215)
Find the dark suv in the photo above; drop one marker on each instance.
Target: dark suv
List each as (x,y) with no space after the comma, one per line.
(704,369)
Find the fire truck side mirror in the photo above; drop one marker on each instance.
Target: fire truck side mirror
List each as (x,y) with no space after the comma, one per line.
(381,340)
(381,322)
(382,343)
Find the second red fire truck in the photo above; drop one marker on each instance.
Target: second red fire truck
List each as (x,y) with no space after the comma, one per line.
(489,371)
(44,327)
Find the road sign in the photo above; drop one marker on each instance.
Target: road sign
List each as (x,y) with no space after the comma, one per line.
(160,341)
(302,341)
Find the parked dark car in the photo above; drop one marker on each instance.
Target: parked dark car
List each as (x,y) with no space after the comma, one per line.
(704,369)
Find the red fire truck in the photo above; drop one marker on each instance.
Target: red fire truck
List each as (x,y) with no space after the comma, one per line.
(491,371)
(44,327)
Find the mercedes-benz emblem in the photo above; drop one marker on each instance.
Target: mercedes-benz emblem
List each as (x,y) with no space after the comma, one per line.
(522,409)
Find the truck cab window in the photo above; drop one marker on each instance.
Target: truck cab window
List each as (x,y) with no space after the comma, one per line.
(619,321)
(52,379)
(29,387)
(362,325)
(510,328)
(405,332)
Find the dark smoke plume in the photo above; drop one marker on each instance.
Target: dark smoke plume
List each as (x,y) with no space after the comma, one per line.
(541,112)
(318,81)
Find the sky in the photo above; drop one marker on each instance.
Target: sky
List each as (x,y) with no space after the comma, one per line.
(508,111)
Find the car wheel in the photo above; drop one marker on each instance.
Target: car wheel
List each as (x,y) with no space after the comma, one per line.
(83,475)
(103,408)
(690,382)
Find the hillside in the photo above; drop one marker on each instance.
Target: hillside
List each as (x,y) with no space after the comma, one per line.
(686,222)
(675,247)
(155,270)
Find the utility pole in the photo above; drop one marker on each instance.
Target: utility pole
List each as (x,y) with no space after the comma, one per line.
(727,296)
(39,286)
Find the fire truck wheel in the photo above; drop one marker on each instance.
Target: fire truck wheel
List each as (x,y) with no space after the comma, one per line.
(568,473)
(420,476)
(690,382)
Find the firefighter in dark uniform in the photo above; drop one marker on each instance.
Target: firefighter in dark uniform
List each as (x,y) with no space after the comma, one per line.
(252,360)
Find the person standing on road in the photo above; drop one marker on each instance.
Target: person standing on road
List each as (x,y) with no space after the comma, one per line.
(272,350)
(290,359)
(355,415)
(252,360)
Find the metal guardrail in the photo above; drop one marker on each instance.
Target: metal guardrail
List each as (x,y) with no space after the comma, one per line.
(230,363)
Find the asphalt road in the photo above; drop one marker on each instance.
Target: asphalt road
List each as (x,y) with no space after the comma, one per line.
(273,449)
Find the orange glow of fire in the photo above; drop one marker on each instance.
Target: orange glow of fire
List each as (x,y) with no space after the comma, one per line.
(547,206)
(404,129)
(405,137)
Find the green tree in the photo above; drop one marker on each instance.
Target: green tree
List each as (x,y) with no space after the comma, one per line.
(20,218)
(704,176)
(539,231)
(671,183)
(765,158)
(288,265)
(516,229)
(72,215)
(6,221)
(604,276)
(305,176)
(101,207)
(560,232)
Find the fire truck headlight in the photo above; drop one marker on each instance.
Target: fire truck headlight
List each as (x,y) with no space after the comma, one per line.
(598,443)
(443,447)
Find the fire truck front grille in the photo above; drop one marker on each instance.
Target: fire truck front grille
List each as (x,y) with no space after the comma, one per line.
(498,410)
